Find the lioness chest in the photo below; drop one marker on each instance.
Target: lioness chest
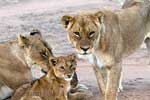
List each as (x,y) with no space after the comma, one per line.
(99,59)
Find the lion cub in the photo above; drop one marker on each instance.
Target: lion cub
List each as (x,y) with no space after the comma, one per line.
(56,84)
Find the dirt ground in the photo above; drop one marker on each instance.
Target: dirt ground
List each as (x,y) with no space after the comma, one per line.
(21,16)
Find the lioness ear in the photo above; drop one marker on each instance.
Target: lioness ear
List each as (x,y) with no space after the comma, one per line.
(36,32)
(23,41)
(53,61)
(66,20)
(100,16)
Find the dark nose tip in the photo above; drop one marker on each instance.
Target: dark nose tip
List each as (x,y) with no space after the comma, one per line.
(69,76)
(85,48)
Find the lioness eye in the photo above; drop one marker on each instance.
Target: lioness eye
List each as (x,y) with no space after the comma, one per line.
(62,68)
(91,34)
(77,34)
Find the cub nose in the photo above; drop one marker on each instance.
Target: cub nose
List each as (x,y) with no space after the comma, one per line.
(85,48)
(69,76)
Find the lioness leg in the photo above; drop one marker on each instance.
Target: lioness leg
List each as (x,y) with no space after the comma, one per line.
(104,71)
(120,83)
(113,82)
(100,78)
(147,42)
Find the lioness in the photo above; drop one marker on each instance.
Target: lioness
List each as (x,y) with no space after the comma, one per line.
(107,37)
(18,57)
(56,84)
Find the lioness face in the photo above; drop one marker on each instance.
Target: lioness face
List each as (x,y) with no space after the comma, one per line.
(83,31)
(64,67)
(36,50)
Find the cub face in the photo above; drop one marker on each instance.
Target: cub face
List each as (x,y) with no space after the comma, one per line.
(84,31)
(64,67)
(36,50)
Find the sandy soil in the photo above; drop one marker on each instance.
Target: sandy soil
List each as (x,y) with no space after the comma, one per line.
(21,16)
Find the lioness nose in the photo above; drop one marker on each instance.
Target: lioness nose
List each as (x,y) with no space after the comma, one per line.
(85,48)
(69,76)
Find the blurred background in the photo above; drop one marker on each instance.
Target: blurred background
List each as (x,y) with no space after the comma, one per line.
(21,16)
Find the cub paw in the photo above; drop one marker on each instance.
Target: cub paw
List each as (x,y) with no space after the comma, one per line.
(81,92)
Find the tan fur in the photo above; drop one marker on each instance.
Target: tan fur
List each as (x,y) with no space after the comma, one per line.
(17,58)
(108,37)
(56,84)
(130,3)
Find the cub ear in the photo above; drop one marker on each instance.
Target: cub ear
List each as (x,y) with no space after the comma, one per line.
(36,32)
(66,20)
(100,16)
(23,41)
(53,61)
(72,57)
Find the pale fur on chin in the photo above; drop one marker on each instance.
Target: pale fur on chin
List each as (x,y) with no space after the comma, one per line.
(68,79)
(5,92)
(36,72)
(35,69)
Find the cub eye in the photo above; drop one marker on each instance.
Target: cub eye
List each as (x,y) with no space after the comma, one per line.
(44,54)
(62,68)
(72,67)
(77,34)
(91,34)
